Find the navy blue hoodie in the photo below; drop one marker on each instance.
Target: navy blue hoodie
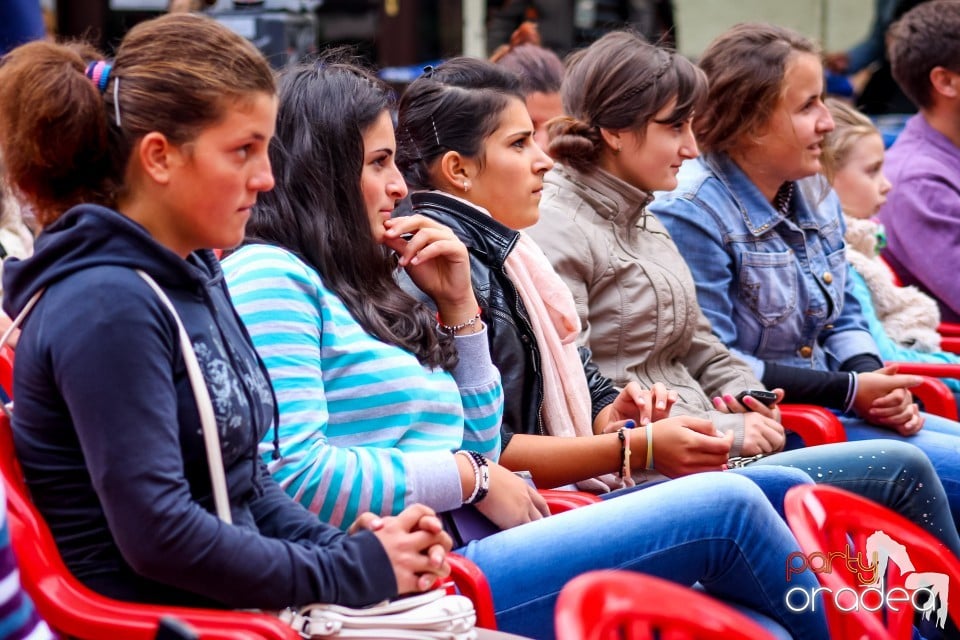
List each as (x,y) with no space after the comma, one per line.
(107,430)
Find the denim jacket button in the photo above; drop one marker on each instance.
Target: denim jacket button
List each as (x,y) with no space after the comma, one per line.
(827,277)
(806,352)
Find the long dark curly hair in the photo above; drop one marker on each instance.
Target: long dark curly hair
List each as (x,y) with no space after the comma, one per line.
(316,210)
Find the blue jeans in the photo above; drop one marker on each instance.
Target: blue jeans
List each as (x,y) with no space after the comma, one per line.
(919,501)
(717,529)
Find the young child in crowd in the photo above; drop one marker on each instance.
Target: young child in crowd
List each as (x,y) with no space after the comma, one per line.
(902,320)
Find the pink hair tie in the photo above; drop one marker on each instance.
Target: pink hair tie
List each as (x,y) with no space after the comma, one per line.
(99,74)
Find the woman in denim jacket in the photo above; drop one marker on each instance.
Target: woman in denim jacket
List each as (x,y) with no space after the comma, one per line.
(762,233)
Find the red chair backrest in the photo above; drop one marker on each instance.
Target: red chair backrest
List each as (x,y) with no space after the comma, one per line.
(624,605)
(825,520)
(74,610)
(949,329)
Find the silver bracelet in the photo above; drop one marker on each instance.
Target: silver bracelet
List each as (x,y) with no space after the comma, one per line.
(453,328)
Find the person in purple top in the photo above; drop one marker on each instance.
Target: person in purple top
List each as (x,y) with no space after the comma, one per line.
(922,213)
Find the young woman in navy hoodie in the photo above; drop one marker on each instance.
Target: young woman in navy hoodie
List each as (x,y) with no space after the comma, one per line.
(143,164)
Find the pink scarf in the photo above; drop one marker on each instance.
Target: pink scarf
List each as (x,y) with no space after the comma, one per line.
(566,409)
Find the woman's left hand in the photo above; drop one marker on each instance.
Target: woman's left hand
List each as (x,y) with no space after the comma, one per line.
(437,262)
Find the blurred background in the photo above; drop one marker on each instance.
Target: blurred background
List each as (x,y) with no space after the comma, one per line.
(396,33)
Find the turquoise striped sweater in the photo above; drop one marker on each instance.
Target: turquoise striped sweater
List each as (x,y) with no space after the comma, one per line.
(363,425)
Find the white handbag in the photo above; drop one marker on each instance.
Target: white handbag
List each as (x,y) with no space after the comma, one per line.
(434,615)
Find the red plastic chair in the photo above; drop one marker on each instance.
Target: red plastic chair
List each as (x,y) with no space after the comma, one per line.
(6,370)
(825,520)
(815,425)
(624,605)
(75,611)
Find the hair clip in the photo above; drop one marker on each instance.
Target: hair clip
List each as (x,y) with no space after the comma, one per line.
(435,134)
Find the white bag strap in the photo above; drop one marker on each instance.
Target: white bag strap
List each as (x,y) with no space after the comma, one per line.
(7,407)
(211,439)
(208,422)
(5,338)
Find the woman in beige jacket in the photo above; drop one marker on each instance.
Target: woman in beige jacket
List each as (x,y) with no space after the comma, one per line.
(630,106)
(634,293)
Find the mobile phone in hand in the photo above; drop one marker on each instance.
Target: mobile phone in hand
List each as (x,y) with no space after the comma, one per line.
(766,398)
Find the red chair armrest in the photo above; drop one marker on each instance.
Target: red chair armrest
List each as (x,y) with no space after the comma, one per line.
(814,424)
(470,582)
(928,369)
(936,396)
(560,500)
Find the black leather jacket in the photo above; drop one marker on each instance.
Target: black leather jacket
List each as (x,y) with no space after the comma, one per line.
(513,346)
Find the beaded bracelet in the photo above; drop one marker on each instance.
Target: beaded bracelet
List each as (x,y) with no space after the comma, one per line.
(451,329)
(481,476)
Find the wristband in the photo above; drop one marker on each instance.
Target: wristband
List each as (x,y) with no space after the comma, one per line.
(851,392)
(650,447)
(481,476)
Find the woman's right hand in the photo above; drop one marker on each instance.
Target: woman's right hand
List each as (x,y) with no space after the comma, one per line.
(415,544)
(438,263)
(511,501)
(683,445)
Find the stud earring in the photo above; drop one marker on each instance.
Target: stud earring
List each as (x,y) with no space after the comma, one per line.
(466,186)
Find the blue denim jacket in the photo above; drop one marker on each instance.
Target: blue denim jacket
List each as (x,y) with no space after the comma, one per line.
(774,287)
